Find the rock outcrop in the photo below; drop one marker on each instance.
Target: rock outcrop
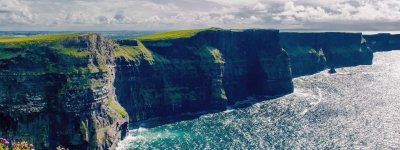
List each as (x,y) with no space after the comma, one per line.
(60,92)
(206,71)
(313,52)
(383,41)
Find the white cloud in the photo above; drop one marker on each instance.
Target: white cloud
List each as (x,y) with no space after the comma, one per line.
(260,7)
(158,14)
(167,7)
(152,19)
(234,2)
(13,12)
(253,18)
(79,18)
(340,12)
(277,18)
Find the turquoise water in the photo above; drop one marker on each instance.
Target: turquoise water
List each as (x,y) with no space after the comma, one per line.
(357,108)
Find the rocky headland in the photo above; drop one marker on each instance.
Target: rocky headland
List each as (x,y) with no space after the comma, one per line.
(59,91)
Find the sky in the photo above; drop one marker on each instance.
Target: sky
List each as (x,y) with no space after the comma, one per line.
(96,15)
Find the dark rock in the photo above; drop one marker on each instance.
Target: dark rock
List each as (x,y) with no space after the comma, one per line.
(332,70)
(126,42)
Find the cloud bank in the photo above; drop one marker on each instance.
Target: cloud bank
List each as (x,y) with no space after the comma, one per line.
(182,14)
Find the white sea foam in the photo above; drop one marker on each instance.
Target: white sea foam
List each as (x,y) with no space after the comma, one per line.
(229,109)
(319,98)
(249,100)
(127,142)
(304,112)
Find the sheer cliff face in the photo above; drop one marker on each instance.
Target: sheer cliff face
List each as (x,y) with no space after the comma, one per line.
(383,41)
(51,97)
(395,41)
(313,52)
(306,55)
(203,72)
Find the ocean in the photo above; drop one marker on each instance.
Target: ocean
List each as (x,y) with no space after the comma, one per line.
(356,108)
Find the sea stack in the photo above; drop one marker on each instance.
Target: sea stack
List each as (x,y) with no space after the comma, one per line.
(332,70)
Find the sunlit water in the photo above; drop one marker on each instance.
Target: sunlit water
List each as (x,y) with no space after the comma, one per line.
(357,108)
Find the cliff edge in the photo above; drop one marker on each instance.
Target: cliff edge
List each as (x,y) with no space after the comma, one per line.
(58,90)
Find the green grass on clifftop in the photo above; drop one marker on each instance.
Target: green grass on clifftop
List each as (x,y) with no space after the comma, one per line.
(36,38)
(136,53)
(174,34)
(171,35)
(72,52)
(61,53)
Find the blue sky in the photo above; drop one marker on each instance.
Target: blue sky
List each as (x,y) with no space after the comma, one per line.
(186,14)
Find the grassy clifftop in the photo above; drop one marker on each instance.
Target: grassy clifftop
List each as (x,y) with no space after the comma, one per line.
(61,53)
(174,34)
(171,35)
(177,34)
(40,38)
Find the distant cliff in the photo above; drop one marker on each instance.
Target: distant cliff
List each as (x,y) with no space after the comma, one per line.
(59,91)
(383,41)
(313,52)
(204,71)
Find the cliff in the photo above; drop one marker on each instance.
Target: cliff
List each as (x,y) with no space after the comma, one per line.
(58,90)
(383,41)
(313,52)
(199,70)
(78,90)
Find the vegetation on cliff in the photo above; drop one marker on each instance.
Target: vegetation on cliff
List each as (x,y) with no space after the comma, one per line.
(134,53)
(49,54)
(4,145)
(58,87)
(117,108)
